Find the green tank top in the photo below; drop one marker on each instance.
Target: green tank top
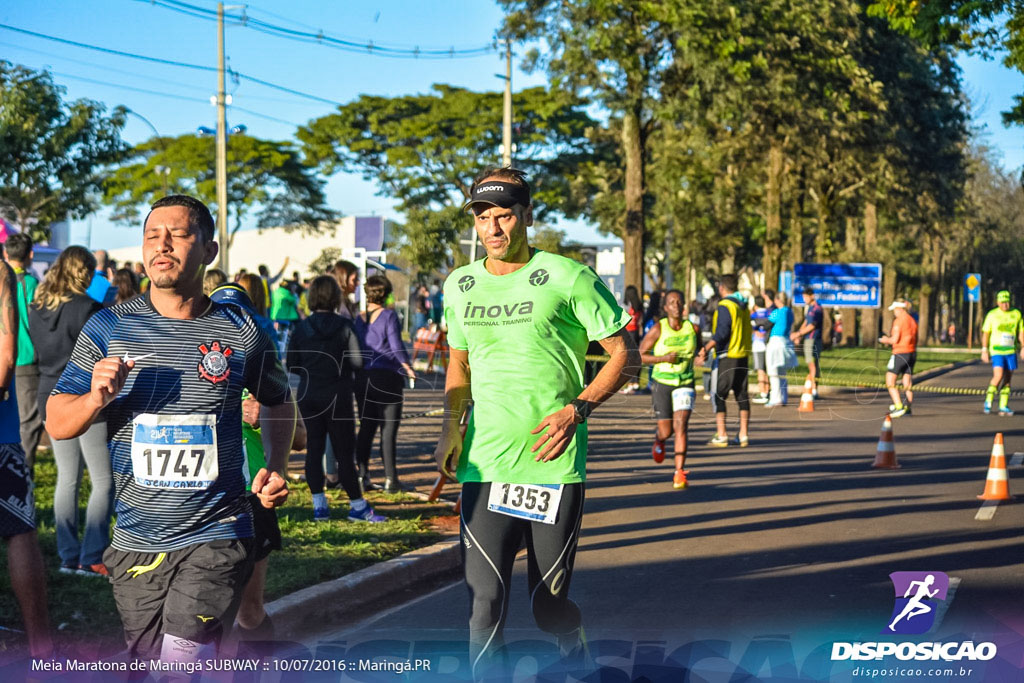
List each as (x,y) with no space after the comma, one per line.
(682,341)
(1003,328)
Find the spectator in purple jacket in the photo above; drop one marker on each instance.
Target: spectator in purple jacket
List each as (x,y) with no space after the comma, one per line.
(385,369)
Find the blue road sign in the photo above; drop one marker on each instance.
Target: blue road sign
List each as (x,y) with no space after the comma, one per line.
(852,285)
(972,287)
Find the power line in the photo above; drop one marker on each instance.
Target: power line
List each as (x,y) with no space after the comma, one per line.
(104,67)
(129,87)
(262,116)
(171,95)
(169,62)
(321,38)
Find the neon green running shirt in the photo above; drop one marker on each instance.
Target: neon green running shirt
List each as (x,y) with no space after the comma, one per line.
(1003,328)
(527,334)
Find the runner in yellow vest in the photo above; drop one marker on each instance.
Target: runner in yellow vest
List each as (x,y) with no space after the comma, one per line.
(671,345)
(732,345)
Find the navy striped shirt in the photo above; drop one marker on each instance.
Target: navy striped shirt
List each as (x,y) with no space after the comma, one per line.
(198,367)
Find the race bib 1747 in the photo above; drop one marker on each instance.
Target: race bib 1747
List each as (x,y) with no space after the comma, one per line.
(174,451)
(532,502)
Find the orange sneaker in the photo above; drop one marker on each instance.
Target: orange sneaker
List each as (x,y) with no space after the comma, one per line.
(658,451)
(679,479)
(93,570)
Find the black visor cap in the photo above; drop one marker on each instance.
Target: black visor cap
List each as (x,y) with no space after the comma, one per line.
(498,193)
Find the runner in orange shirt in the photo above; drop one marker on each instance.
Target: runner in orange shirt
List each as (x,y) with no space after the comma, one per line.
(904,353)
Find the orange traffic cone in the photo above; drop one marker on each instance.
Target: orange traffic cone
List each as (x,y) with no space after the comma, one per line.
(885,458)
(807,398)
(997,484)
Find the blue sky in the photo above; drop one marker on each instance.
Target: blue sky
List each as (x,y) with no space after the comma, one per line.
(140,27)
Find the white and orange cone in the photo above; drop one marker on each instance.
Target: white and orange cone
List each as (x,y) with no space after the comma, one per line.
(997,483)
(807,398)
(885,457)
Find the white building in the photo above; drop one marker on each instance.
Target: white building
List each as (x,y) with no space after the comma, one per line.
(271,246)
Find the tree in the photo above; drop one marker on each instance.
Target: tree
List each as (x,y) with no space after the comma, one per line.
(53,152)
(424,151)
(264,176)
(324,263)
(615,53)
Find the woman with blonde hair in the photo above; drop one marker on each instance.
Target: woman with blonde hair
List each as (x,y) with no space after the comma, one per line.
(56,318)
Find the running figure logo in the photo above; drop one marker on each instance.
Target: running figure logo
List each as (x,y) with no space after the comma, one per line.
(921,592)
(538,277)
(466,283)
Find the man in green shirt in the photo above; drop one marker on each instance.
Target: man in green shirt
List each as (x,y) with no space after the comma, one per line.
(18,253)
(519,323)
(1002,334)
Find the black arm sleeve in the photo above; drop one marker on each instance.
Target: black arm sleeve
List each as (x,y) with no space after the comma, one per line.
(723,331)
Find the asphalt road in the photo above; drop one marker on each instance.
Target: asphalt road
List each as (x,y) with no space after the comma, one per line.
(775,552)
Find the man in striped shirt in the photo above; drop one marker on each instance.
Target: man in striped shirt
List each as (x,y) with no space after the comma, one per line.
(167,371)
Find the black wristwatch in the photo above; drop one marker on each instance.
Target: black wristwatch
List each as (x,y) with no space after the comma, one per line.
(582,409)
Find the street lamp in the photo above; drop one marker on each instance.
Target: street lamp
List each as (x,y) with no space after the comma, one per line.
(163,171)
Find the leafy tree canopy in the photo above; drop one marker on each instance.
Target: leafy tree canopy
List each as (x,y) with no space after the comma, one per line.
(52,152)
(424,151)
(265,177)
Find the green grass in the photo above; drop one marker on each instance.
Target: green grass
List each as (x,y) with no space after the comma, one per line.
(856,365)
(82,608)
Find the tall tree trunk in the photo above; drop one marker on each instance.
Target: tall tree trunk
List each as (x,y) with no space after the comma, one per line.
(796,240)
(888,291)
(823,238)
(869,316)
(929,284)
(772,258)
(633,234)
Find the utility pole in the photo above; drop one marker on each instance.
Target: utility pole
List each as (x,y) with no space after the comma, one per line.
(222,148)
(506,130)
(506,126)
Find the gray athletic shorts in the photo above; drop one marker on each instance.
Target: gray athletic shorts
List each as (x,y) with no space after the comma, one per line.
(812,352)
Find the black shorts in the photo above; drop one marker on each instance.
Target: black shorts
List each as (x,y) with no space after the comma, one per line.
(17,502)
(266,532)
(730,374)
(662,398)
(192,593)
(901,363)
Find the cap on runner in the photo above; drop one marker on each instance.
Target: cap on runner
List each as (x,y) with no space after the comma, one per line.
(233,293)
(899,303)
(1003,297)
(498,193)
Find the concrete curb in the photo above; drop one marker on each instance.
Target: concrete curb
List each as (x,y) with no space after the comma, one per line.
(334,601)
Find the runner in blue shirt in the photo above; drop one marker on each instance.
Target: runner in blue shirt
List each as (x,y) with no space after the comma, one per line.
(167,372)
(780,355)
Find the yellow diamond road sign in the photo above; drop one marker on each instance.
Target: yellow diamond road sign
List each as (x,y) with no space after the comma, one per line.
(972,281)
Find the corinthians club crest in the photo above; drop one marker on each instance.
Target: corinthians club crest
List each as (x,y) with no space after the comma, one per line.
(214,366)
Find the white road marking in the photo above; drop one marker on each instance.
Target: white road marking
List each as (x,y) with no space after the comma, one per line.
(1017,460)
(943,607)
(987,511)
